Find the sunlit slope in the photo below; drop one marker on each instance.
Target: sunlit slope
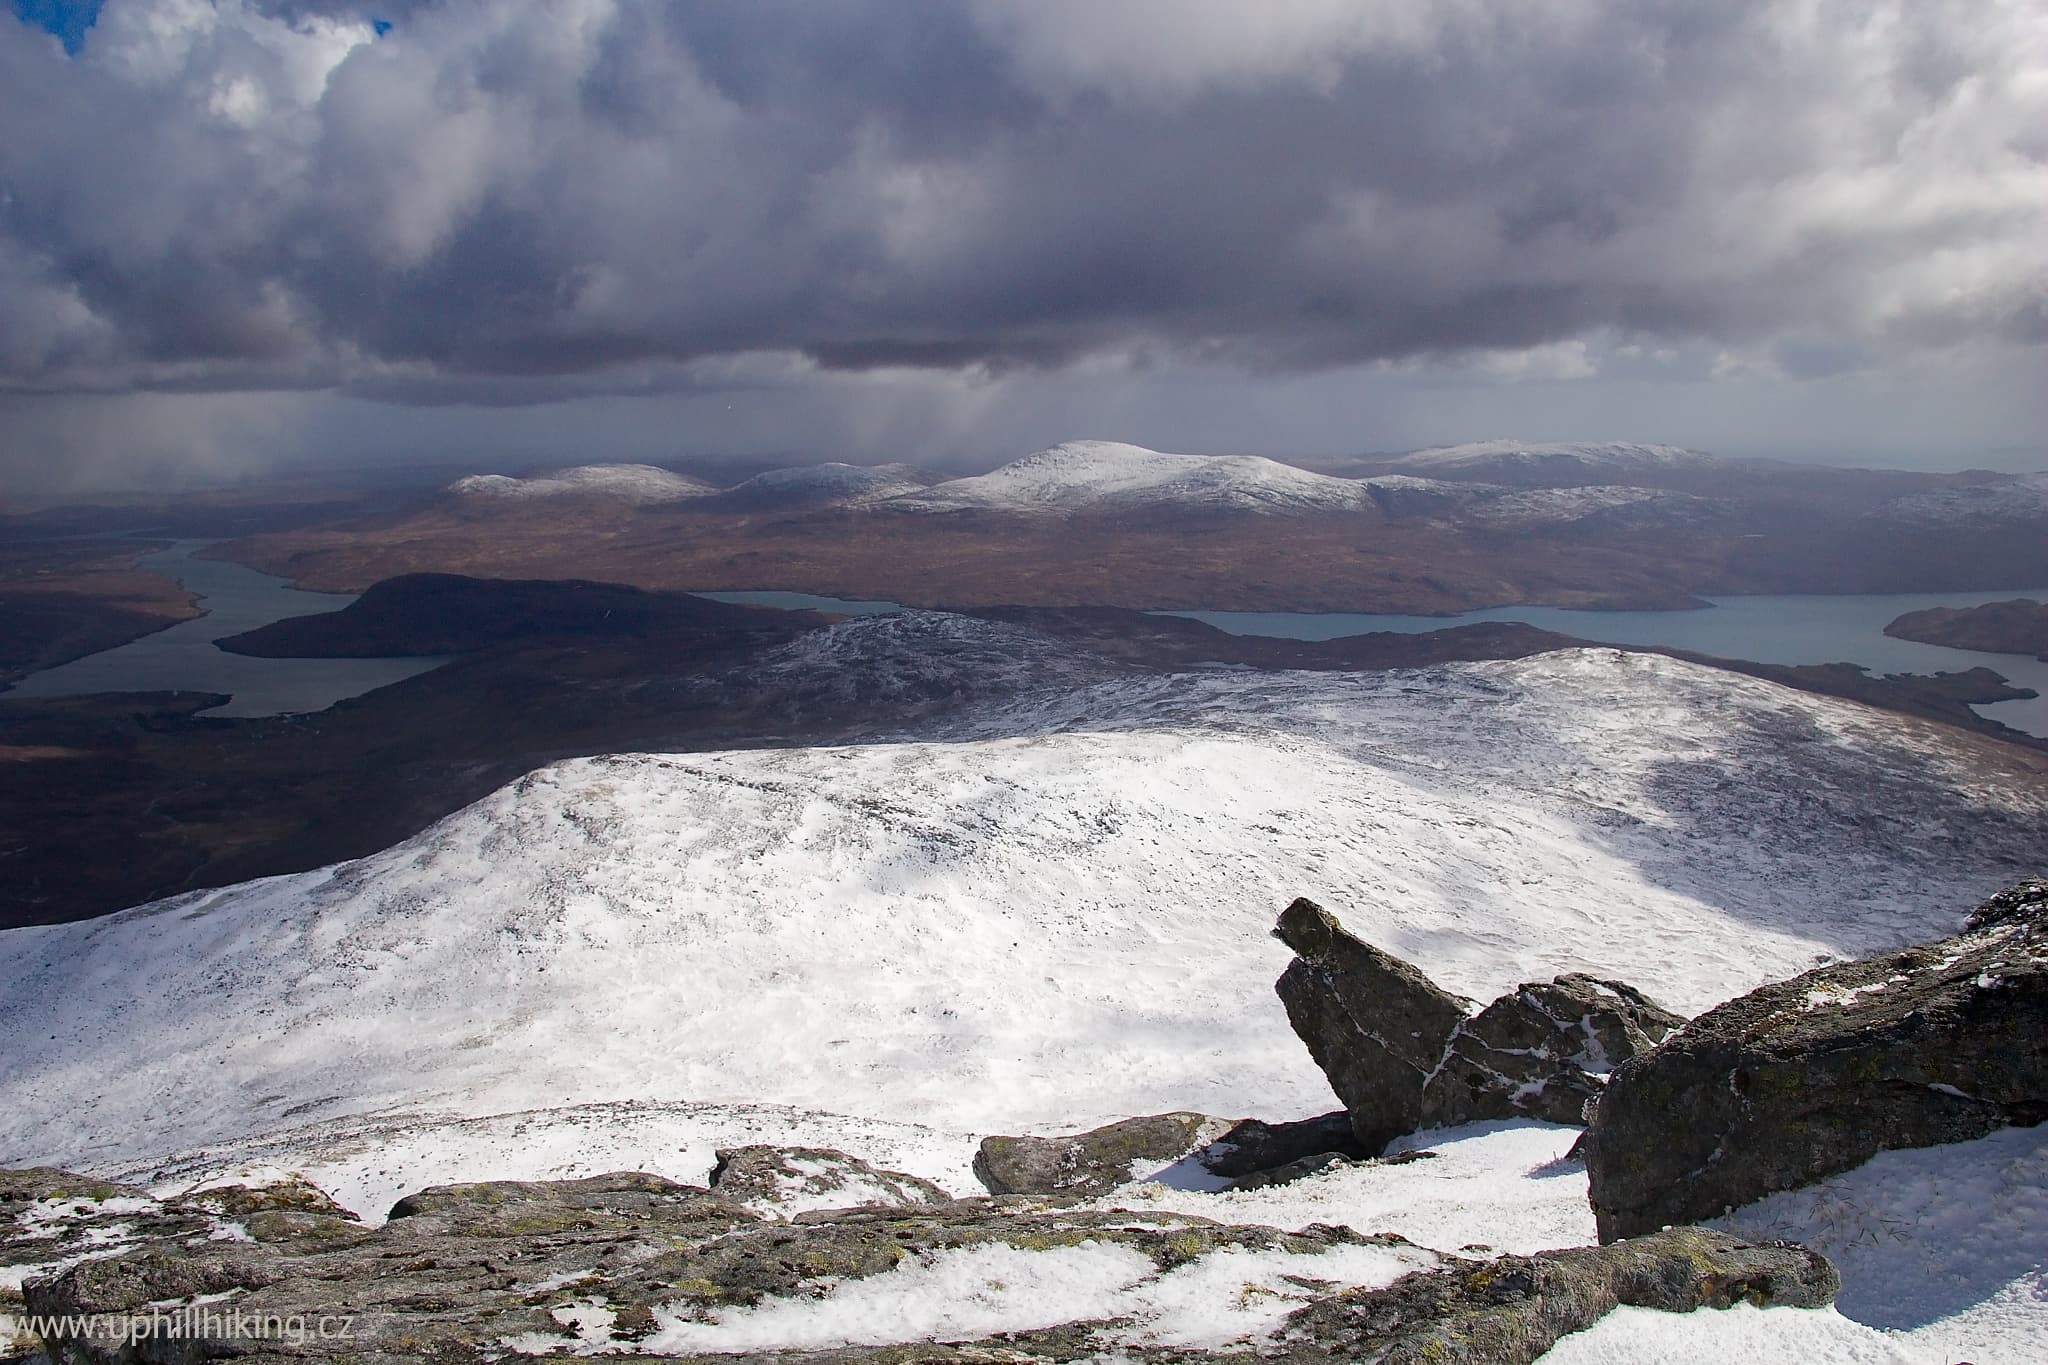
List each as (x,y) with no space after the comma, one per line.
(1056,914)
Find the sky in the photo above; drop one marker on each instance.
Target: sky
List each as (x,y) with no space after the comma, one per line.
(241,236)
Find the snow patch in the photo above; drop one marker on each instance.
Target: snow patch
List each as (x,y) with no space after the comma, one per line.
(636,483)
(1102,476)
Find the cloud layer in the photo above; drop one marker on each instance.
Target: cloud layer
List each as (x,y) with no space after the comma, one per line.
(528,198)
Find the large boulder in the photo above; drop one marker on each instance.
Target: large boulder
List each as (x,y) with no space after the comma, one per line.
(1795,1081)
(1095,1162)
(1374,1024)
(792,1180)
(1253,1146)
(1402,1053)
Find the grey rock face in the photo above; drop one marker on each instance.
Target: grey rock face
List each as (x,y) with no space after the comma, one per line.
(1374,1024)
(1511,1310)
(1939,1043)
(1094,1162)
(1404,1054)
(479,1271)
(1544,1050)
(797,1179)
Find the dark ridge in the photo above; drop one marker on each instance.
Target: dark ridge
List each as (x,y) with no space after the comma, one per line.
(436,613)
(2019,626)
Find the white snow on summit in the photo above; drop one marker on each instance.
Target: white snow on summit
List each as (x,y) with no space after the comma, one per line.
(1519,460)
(1108,476)
(639,483)
(1054,916)
(2021,498)
(823,484)
(1557,506)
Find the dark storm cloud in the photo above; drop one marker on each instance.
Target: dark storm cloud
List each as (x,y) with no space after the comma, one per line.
(264,195)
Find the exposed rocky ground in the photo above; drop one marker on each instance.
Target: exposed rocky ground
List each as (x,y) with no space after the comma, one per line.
(634,1265)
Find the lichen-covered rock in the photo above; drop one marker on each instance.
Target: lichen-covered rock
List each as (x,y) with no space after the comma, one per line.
(619,1201)
(1511,1310)
(1402,1053)
(294,1194)
(794,1180)
(646,1266)
(456,1276)
(1094,1162)
(1939,1043)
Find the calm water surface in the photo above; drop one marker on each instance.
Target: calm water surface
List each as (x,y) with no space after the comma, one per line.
(184,659)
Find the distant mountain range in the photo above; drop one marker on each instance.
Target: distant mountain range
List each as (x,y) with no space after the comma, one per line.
(1489,483)
(1102,523)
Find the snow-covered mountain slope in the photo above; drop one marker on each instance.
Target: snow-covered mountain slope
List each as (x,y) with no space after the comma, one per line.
(2021,498)
(1106,476)
(1552,462)
(1608,504)
(820,485)
(639,483)
(1053,914)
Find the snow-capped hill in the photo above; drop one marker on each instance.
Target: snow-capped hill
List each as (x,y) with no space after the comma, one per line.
(1610,505)
(2024,497)
(1525,463)
(637,483)
(821,485)
(1108,476)
(1055,912)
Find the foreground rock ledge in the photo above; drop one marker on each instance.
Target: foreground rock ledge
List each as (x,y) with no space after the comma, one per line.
(1939,1043)
(505,1268)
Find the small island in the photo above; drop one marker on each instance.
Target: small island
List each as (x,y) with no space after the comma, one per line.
(2019,626)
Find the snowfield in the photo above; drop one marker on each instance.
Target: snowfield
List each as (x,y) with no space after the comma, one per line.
(2023,497)
(638,483)
(1541,506)
(1048,912)
(1108,476)
(1592,459)
(822,485)
(1058,917)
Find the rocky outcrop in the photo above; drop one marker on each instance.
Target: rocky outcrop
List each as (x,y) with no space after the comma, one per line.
(1795,1081)
(1252,1146)
(1374,1024)
(1544,1050)
(632,1263)
(1511,1310)
(793,1180)
(1402,1053)
(1095,1162)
